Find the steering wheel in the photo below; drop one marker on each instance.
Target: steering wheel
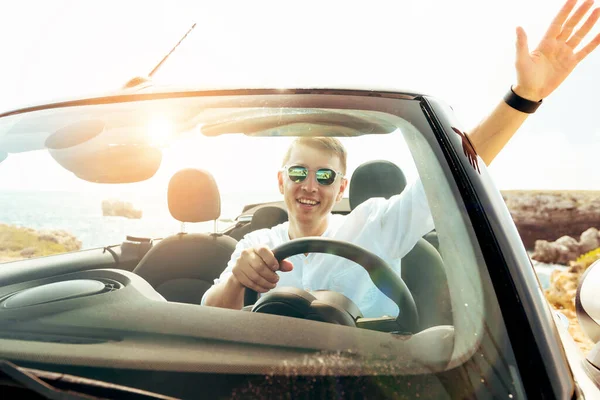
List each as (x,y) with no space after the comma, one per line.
(381,274)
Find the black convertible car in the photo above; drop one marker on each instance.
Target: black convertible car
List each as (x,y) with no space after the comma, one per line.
(121,315)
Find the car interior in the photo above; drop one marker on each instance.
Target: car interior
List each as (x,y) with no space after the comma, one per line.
(193,196)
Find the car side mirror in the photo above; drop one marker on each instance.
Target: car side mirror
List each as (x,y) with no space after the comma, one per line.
(587,306)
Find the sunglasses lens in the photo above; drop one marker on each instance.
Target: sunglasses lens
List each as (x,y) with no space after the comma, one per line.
(297,174)
(325,176)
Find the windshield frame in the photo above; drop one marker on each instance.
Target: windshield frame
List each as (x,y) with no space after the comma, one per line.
(527,315)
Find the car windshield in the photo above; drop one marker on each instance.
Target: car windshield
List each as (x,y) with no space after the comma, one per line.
(52,197)
(99,181)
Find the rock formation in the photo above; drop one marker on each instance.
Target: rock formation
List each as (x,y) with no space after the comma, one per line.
(549,215)
(566,248)
(118,208)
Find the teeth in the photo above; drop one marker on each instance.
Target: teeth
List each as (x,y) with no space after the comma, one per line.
(309,202)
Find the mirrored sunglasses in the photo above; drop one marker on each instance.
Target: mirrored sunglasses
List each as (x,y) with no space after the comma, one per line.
(325,176)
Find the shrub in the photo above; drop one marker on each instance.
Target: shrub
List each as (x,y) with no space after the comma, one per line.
(584,261)
(17,242)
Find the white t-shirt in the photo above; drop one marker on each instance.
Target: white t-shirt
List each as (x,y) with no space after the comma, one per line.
(388,228)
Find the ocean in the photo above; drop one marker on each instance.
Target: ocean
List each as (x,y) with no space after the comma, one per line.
(81,215)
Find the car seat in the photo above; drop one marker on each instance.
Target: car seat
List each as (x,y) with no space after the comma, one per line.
(422,268)
(183,266)
(268,217)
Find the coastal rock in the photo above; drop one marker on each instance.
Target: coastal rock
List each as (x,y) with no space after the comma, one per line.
(590,240)
(566,248)
(549,215)
(61,237)
(28,252)
(119,208)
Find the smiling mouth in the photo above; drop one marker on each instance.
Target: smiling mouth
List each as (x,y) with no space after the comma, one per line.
(306,202)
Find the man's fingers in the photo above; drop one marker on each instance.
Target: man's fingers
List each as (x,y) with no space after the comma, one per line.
(267,257)
(250,279)
(574,20)
(261,273)
(584,30)
(256,262)
(254,268)
(581,54)
(559,20)
(245,281)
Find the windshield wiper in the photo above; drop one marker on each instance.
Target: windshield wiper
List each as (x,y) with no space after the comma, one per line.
(53,385)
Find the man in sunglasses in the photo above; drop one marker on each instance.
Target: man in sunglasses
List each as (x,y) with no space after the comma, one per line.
(312,181)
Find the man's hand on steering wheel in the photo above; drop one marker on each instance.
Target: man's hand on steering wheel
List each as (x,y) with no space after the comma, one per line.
(256,269)
(380,273)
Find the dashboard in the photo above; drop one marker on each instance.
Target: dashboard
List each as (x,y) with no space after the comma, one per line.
(89,323)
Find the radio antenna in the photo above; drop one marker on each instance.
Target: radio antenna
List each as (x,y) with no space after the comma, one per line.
(171,52)
(143,81)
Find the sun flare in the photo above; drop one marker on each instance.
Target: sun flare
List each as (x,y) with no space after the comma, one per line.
(160,131)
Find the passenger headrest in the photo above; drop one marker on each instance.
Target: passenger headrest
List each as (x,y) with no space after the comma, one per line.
(375,179)
(268,217)
(194,196)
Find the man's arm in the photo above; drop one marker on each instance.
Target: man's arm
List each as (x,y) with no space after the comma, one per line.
(494,132)
(397,223)
(539,73)
(228,293)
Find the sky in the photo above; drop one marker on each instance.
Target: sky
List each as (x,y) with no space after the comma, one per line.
(460,51)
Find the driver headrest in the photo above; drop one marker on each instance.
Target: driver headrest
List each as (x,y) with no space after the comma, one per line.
(194,196)
(268,217)
(375,179)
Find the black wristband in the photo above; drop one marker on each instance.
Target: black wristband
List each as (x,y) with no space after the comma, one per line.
(521,104)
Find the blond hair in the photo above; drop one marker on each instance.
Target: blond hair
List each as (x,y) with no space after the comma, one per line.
(329,144)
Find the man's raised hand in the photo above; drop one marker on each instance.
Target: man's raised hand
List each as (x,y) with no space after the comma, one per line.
(541,71)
